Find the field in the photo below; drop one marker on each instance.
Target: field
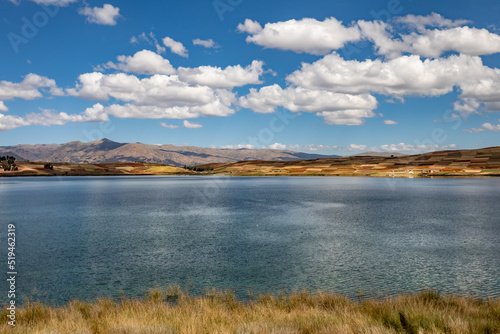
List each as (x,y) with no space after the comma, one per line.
(172,310)
(69,169)
(480,162)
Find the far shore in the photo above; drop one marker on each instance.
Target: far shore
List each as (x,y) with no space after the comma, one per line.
(324,168)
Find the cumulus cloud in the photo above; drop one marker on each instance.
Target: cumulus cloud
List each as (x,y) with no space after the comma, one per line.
(405,76)
(30,88)
(143,62)
(129,110)
(10,122)
(491,127)
(231,76)
(249,26)
(485,127)
(303,36)
(432,20)
(106,15)
(49,117)
(277,146)
(209,43)
(428,36)
(191,125)
(237,147)
(168,126)
(335,108)
(175,47)
(448,36)
(401,147)
(389,122)
(3,107)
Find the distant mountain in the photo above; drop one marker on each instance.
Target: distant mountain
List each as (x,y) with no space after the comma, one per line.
(378,154)
(107,151)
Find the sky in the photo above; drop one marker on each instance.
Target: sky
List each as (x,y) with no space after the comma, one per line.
(322,76)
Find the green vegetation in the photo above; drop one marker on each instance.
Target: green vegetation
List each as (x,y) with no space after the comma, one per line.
(173,310)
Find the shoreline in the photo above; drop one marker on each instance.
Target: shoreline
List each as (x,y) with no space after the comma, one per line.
(260,175)
(173,310)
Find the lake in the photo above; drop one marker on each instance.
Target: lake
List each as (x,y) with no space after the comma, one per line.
(88,237)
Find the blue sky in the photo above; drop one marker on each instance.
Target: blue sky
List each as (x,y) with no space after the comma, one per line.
(331,77)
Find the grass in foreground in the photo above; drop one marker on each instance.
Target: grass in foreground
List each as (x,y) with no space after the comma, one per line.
(173,311)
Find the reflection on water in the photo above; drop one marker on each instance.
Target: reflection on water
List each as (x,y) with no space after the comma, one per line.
(102,236)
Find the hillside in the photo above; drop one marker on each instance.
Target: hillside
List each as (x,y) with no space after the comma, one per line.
(446,163)
(107,151)
(480,162)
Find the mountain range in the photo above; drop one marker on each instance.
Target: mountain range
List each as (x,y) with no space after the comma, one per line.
(108,151)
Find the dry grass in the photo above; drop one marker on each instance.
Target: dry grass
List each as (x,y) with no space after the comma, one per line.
(172,310)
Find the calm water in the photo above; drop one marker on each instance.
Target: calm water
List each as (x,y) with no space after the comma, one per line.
(102,236)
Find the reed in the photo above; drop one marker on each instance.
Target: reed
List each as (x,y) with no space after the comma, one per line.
(173,310)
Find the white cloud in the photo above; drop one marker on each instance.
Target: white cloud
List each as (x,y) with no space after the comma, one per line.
(312,147)
(49,117)
(402,147)
(389,122)
(431,43)
(106,15)
(168,126)
(237,147)
(277,146)
(303,36)
(403,76)
(175,47)
(10,122)
(335,108)
(150,39)
(29,88)
(429,36)
(143,62)
(231,76)
(406,76)
(431,20)
(209,43)
(190,125)
(485,127)
(465,40)
(157,96)
(62,3)
(249,26)
(467,106)
(158,90)
(474,130)
(3,107)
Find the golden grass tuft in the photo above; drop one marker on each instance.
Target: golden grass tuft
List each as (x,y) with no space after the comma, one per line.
(173,310)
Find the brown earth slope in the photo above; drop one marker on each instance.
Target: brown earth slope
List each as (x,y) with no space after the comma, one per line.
(446,163)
